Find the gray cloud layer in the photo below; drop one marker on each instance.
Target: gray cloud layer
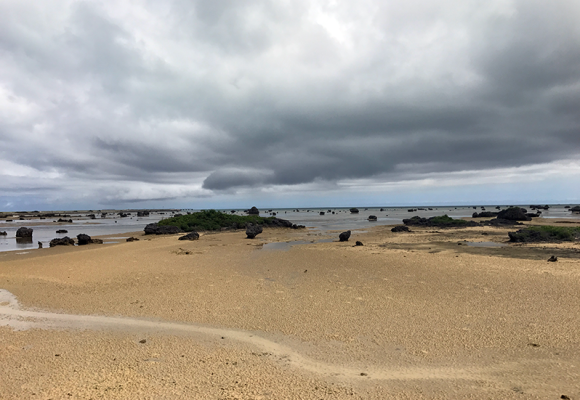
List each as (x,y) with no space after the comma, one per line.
(196,96)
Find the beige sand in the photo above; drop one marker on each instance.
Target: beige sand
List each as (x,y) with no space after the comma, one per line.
(412,315)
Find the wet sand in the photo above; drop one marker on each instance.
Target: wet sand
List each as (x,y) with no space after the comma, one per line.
(408,315)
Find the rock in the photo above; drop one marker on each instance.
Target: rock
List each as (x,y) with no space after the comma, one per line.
(65,220)
(83,239)
(254,211)
(142,213)
(24,232)
(359,243)
(400,228)
(62,231)
(40,245)
(190,236)
(538,235)
(97,241)
(344,236)
(132,239)
(485,214)
(143,341)
(156,229)
(92,216)
(553,259)
(501,222)
(382,209)
(354,210)
(321,212)
(3,233)
(514,214)
(372,217)
(575,209)
(252,230)
(65,241)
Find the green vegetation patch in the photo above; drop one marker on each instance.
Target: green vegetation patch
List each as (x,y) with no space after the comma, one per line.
(212,220)
(441,221)
(546,233)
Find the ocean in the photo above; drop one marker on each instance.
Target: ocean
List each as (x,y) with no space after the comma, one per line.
(342,219)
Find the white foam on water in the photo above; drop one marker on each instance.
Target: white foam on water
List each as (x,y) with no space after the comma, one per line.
(13,316)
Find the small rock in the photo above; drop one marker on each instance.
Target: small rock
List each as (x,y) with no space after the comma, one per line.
(553,259)
(142,341)
(3,233)
(190,236)
(372,217)
(62,231)
(343,237)
(65,241)
(359,243)
(400,228)
(40,245)
(132,239)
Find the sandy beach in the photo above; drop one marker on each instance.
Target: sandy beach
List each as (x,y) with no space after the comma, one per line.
(421,315)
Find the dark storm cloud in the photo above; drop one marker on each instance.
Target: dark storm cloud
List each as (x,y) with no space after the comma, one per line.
(198,96)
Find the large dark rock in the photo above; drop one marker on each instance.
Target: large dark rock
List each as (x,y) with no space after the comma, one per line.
(254,211)
(343,237)
(575,209)
(484,214)
(321,212)
(372,217)
(252,230)
(354,210)
(400,228)
(190,236)
(24,232)
(3,233)
(514,214)
(65,241)
(83,239)
(156,229)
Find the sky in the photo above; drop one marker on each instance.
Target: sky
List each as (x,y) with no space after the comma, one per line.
(228,103)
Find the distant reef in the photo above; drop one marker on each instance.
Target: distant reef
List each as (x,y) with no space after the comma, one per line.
(212,220)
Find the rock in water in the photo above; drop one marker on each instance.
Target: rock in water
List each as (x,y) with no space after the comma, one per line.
(24,232)
(400,228)
(190,236)
(62,231)
(372,217)
(354,210)
(514,214)
(254,211)
(83,239)
(40,245)
(253,230)
(3,233)
(132,239)
(65,241)
(344,236)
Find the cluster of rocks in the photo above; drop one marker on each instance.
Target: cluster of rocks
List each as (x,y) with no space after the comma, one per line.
(156,229)
(575,209)
(143,213)
(400,228)
(82,239)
